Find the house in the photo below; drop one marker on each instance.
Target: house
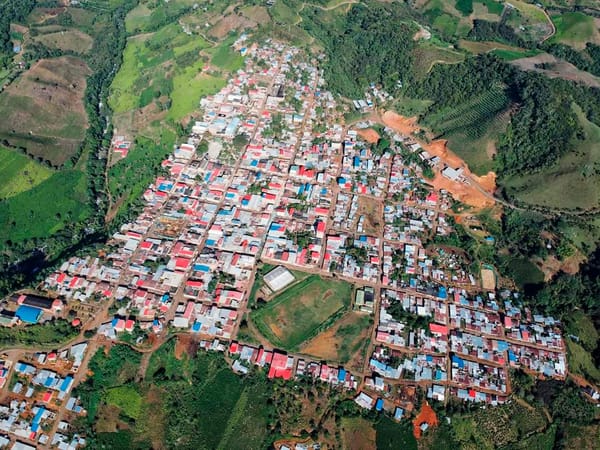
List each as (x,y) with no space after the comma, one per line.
(281,366)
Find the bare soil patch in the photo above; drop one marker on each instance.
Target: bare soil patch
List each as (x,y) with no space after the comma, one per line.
(67,40)
(369,135)
(556,68)
(231,22)
(405,125)
(372,211)
(463,191)
(426,415)
(335,345)
(358,434)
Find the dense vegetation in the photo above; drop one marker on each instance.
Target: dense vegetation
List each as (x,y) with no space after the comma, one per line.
(372,44)
(53,333)
(12,11)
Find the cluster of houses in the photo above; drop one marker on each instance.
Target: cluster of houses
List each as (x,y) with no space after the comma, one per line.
(463,344)
(285,366)
(267,174)
(38,396)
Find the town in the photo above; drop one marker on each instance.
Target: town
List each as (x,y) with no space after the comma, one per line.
(272,183)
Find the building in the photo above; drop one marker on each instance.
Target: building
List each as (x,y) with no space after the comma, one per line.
(278,278)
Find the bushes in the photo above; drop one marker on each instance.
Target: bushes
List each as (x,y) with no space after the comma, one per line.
(53,333)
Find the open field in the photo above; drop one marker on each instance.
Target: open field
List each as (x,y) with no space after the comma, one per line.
(188,89)
(575,29)
(342,341)
(358,434)
(46,208)
(556,68)
(529,21)
(67,40)
(226,58)
(150,15)
(301,311)
(504,51)
(570,183)
(427,54)
(372,211)
(19,173)
(43,110)
(162,77)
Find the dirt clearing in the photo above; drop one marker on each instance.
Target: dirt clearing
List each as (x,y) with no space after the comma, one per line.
(405,125)
(342,341)
(358,434)
(426,415)
(553,67)
(369,135)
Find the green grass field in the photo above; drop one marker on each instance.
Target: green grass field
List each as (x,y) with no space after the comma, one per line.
(19,173)
(127,399)
(528,21)
(493,6)
(189,88)
(511,55)
(167,63)
(303,310)
(570,183)
(46,208)
(446,24)
(575,29)
(227,59)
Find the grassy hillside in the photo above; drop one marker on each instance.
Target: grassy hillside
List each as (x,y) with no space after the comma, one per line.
(575,29)
(572,182)
(43,111)
(19,173)
(59,201)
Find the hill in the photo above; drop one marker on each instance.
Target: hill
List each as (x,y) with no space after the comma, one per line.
(52,109)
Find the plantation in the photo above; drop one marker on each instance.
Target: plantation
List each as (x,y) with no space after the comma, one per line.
(19,173)
(472,117)
(302,311)
(476,143)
